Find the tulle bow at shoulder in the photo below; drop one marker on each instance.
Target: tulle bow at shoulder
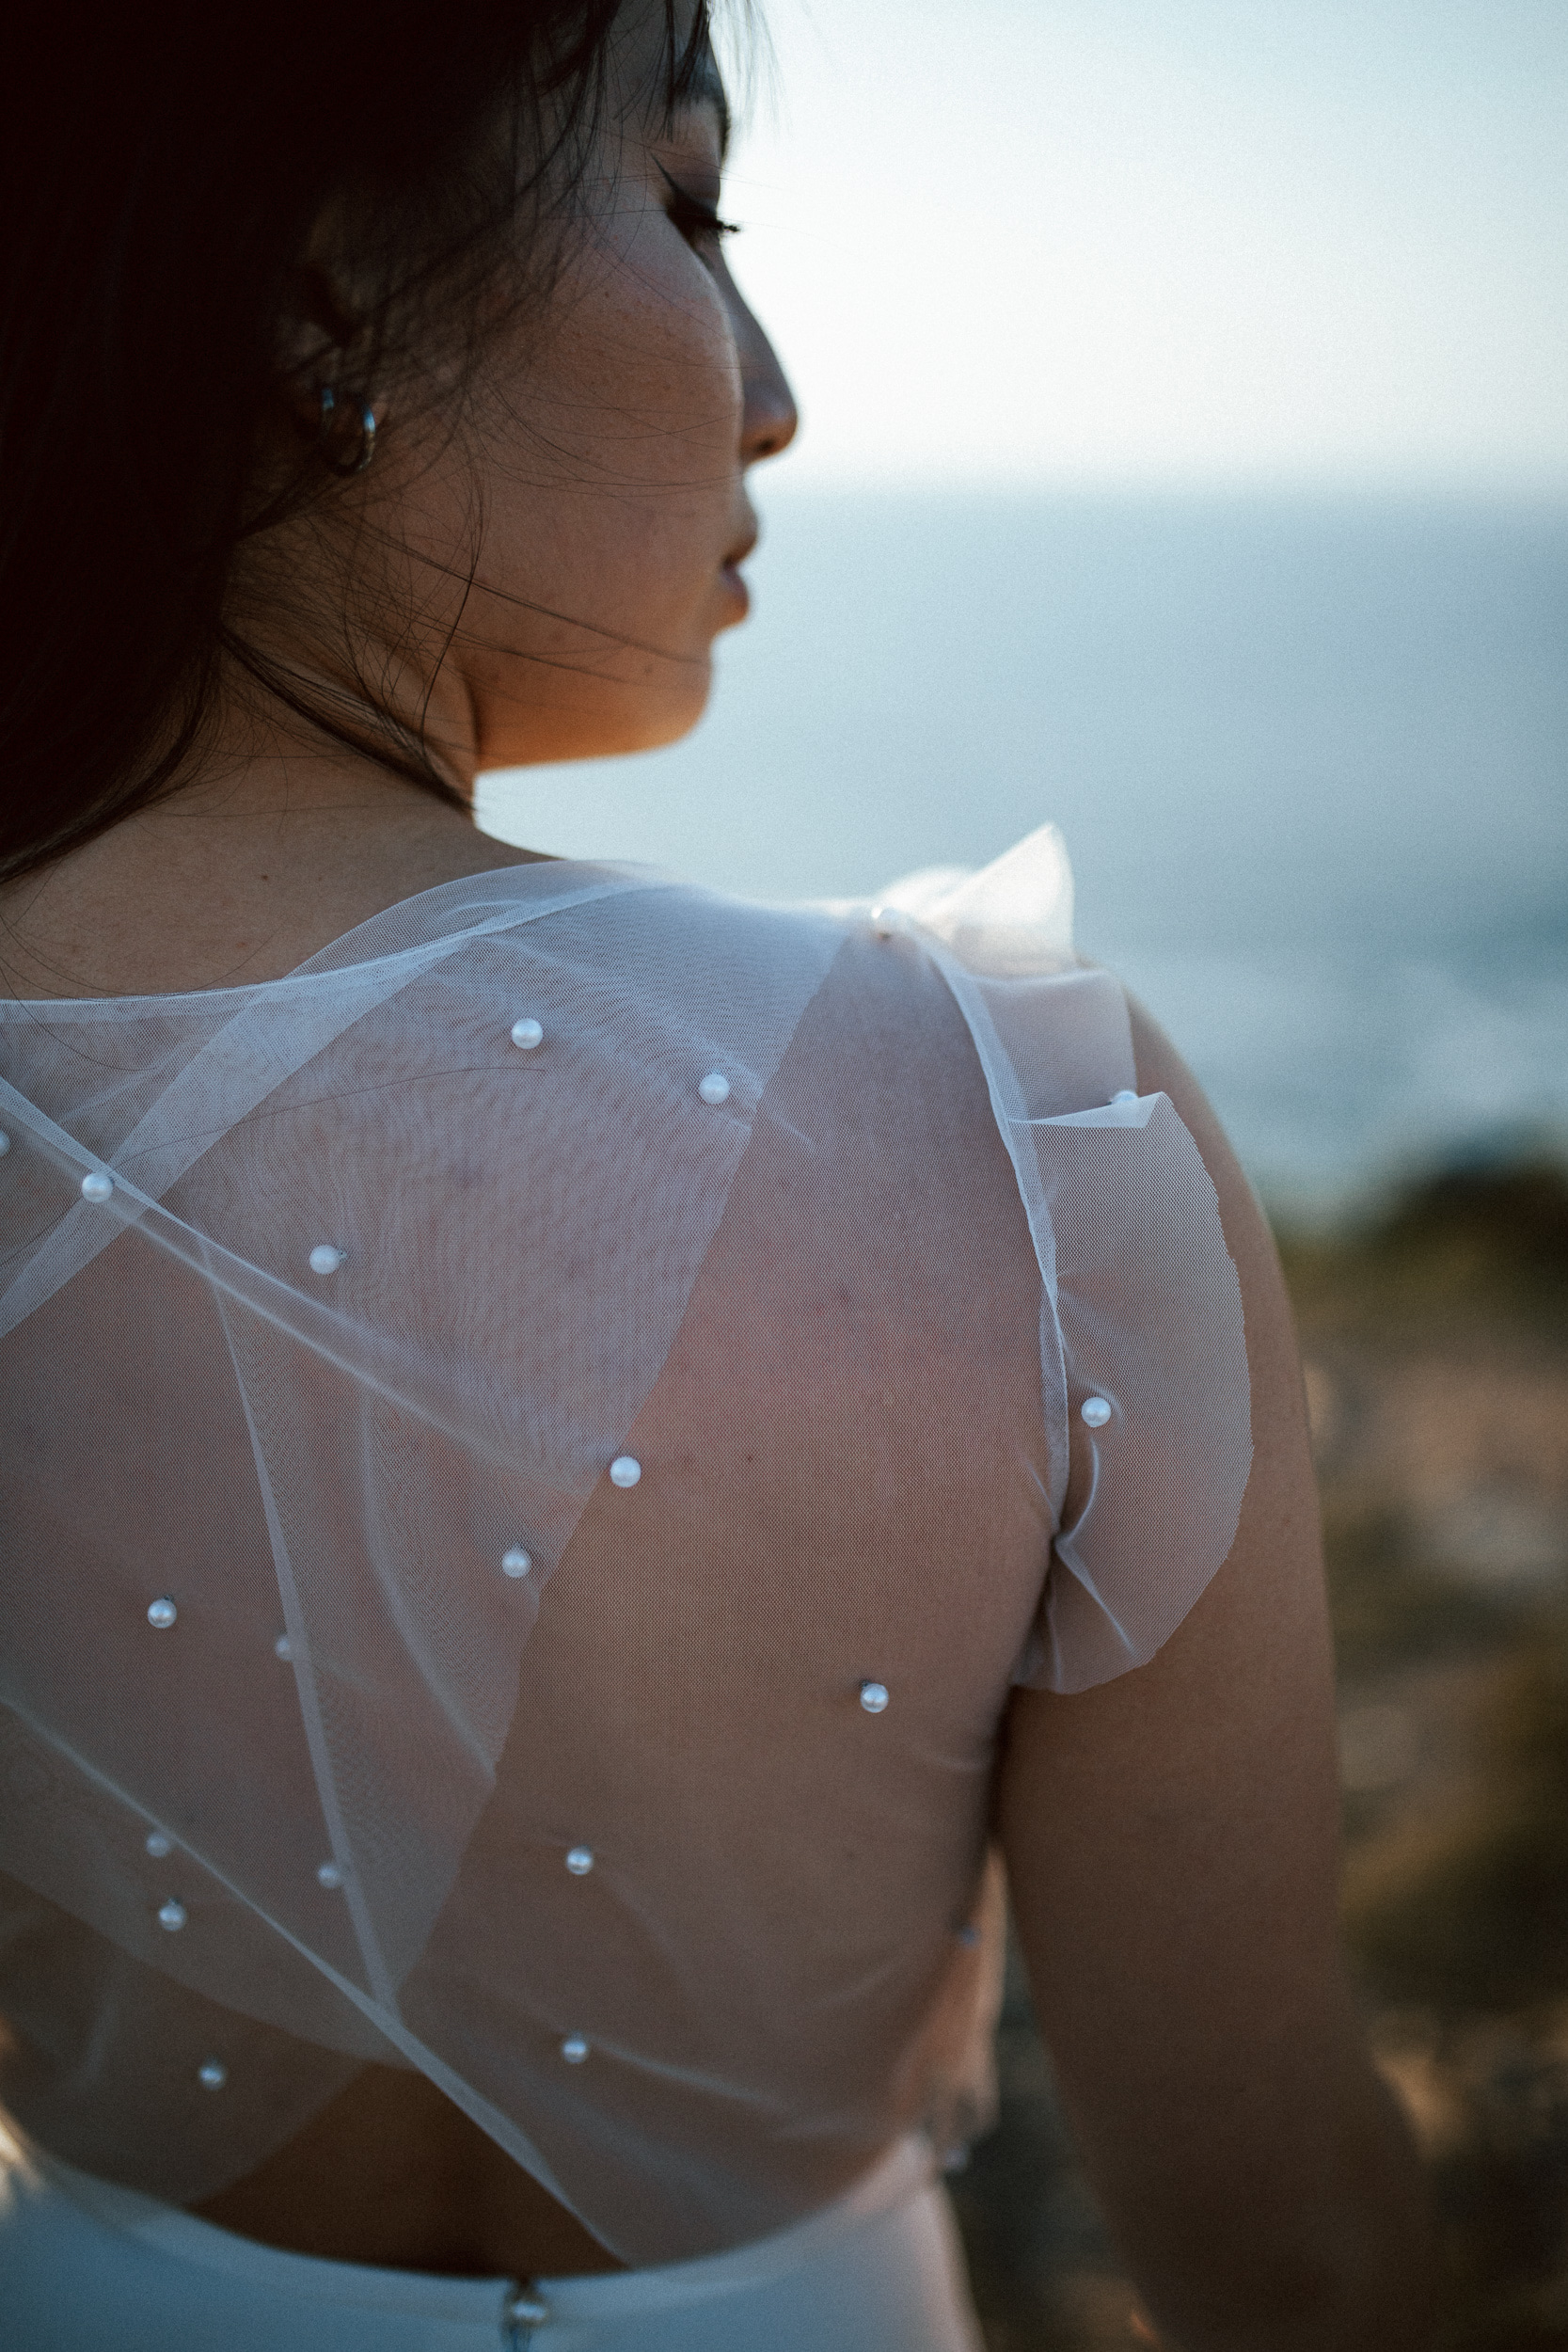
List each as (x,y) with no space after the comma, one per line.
(1142,1337)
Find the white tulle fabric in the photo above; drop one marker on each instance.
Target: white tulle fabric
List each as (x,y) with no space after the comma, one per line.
(396,1258)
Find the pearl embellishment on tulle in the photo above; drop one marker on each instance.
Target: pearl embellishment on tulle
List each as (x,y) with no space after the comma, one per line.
(625,1470)
(527,1034)
(158,1846)
(98,1186)
(874,1697)
(283,1648)
(171,1915)
(329,1874)
(212,2075)
(579,1861)
(715,1088)
(1095,1411)
(1124,1094)
(573,2049)
(517,1561)
(325,1259)
(161,1613)
(882,922)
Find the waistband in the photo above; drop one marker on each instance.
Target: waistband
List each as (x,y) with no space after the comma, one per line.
(902,2174)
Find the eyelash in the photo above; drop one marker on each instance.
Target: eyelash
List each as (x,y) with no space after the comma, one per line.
(694,219)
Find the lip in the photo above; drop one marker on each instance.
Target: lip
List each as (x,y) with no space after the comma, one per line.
(729,572)
(738,594)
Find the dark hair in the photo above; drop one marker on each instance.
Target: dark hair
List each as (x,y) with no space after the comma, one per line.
(163,167)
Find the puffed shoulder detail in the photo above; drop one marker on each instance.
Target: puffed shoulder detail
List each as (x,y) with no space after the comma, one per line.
(1142,1335)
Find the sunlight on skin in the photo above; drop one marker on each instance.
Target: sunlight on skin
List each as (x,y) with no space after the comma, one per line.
(592,487)
(534,567)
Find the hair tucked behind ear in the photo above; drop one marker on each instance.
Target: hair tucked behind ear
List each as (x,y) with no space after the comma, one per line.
(163,167)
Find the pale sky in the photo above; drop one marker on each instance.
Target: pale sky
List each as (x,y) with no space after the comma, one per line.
(1194,242)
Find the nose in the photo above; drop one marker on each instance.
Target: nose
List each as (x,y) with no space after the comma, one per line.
(768,418)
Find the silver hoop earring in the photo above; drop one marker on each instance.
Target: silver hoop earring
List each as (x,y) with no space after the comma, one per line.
(366,448)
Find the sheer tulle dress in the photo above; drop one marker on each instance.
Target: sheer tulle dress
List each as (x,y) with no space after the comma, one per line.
(536,1454)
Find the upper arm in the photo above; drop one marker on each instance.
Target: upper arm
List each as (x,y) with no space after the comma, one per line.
(1171,1840)
(1211,1768)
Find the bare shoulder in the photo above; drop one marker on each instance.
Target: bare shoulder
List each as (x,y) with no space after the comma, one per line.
(1246,1678)
(1271,1339)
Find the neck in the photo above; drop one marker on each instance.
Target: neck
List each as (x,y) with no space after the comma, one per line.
(238,875)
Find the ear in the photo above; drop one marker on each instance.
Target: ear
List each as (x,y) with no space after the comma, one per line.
(319,342)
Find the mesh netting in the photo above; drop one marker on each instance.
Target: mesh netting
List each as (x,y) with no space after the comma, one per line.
(536,1443)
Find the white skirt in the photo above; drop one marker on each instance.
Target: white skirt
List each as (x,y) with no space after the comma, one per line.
(86,2266)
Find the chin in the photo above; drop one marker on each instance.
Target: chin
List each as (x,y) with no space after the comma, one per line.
(628,716)
(646,721)
(674,722)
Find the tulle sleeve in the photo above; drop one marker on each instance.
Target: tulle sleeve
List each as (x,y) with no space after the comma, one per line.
(1141,1333)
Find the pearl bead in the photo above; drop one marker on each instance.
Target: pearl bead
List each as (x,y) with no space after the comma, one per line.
(625,1470)
(573,2049)
(882,922)
(1094,1413)
(527,2310)
(158,1845)
(579,1861)
(162,1612)
(517,1561)
(171,1915)
(1125,1094)
(212,2075)
(325,1259)
(98,1186)
(715,1088)
(329,1874)
(874,1697)
(283,1648)
(527,1034)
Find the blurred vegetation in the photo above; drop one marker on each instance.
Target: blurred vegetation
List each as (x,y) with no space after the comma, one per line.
(1471,1913)
(1445,1322)
(1457,1913)
(1482,1241)
(1388,1601)
(1435,1340)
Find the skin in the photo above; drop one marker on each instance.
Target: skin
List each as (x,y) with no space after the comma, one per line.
(1171,1838)
(1172,1841)
(599,462)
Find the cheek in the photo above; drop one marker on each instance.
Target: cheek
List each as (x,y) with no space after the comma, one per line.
(617,498)
(643,372)
(610,492)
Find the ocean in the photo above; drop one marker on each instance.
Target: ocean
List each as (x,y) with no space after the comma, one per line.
(1310,757)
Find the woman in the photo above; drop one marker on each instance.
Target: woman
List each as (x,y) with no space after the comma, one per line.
(578,1451)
